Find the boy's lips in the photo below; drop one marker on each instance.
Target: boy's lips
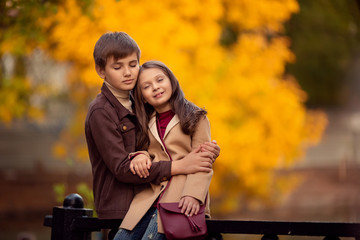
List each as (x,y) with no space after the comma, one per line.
(128,81)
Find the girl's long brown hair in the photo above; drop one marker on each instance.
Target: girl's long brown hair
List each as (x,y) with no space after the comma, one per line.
(189,114)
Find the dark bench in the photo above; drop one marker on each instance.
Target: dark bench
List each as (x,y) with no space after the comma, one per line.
(74,222)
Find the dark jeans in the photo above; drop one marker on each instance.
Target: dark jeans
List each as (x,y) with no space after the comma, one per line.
(147,228)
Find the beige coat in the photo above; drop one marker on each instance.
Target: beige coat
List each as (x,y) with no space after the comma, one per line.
(178,145)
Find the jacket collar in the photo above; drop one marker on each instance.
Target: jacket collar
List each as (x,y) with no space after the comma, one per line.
(153,128)
(120,109)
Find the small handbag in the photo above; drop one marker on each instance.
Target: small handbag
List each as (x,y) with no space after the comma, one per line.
(179,226)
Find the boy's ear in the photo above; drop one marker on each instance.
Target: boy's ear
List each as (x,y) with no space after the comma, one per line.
(100,71)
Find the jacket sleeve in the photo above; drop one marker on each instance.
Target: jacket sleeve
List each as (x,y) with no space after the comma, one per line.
(110,145)
(134,154)
(200,180)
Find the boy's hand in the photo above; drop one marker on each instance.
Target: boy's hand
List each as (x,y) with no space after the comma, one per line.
(189,205)
(140,165)
(212,148)
(196,161)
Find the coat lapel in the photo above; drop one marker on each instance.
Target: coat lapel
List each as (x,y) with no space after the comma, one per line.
(154,131)
(175,120)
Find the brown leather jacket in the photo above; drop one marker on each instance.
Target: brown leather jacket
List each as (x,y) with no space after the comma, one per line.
(110,135)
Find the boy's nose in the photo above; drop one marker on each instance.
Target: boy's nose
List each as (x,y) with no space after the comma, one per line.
(127,71)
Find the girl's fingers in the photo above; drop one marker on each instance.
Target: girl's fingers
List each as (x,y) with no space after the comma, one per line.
(192,210)
(148,164)
(189,206)
(132,168)
(185,206)
(188,210)
(197,209)
(144,169)
(183,209)
(181,203)
(138,171)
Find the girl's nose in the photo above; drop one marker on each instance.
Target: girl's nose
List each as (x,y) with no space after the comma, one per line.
(155,87)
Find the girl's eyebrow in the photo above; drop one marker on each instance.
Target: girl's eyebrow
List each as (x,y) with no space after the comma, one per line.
(155,77)
(159,75)
(144,82)
(142,85)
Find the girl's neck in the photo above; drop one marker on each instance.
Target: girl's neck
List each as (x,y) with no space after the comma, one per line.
(166,113)
(163,109)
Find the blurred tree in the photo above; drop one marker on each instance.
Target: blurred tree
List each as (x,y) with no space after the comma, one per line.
(229,56)
(20,34)
(325,39)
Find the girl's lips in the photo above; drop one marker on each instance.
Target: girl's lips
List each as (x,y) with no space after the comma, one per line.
(158,95)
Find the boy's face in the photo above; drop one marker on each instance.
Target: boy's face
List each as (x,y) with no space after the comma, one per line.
(121,73)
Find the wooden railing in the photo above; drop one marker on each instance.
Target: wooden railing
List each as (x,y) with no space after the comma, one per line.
(74,222)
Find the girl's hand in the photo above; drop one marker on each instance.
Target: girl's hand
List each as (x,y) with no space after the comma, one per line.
(189,205)
(140,165)
(212,148)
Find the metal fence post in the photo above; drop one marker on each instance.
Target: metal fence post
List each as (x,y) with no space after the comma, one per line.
(63,217)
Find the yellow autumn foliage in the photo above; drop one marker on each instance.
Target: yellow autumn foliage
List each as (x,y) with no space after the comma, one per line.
(258,116)
(13,103)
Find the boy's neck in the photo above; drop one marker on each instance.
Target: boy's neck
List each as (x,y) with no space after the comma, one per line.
(123,96)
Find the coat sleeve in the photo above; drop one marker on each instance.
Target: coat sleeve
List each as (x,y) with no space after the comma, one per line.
(197,185)
(110,145)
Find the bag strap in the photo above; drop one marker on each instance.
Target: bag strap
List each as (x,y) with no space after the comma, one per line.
(165,148)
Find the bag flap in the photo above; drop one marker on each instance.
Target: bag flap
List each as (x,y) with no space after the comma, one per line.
(174,207)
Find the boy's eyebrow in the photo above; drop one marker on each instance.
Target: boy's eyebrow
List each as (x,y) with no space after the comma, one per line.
(117,63)
(121,63)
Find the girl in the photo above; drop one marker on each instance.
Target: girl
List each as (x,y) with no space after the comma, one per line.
(171,127)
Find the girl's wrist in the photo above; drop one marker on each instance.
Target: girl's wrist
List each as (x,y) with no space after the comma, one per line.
(132,156)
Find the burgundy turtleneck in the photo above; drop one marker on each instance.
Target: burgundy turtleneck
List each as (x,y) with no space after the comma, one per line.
(163,120)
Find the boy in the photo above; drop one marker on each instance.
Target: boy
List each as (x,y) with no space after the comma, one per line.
(110,127)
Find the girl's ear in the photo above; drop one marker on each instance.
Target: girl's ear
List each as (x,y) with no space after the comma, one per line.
(100,71)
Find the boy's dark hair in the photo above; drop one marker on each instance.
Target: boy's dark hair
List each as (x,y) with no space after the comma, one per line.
(116,44)
(188,113)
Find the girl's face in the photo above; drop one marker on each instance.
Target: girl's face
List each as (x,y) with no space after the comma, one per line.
(155,88)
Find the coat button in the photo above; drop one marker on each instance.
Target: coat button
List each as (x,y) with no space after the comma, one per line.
(124,128)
